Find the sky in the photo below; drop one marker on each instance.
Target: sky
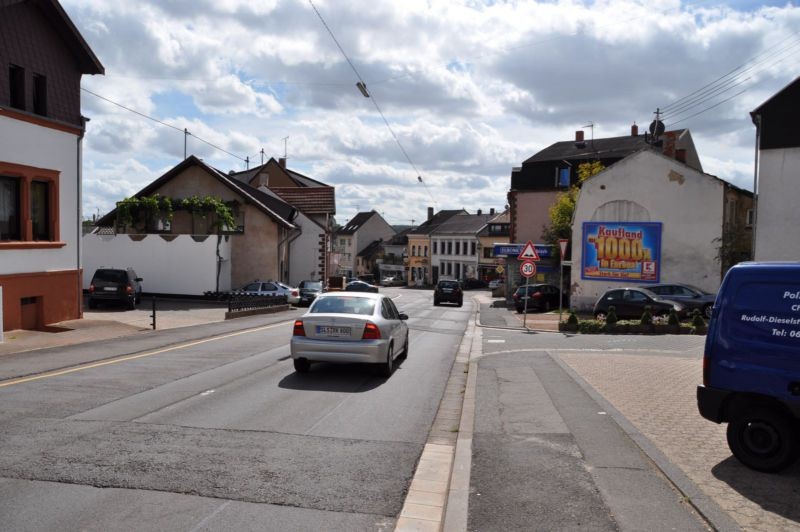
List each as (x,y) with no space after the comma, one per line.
(469,89)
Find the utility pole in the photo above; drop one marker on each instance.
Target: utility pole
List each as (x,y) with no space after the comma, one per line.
(262,156)
(185,136)
(247,162)
(285,147)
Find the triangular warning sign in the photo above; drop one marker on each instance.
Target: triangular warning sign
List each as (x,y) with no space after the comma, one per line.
(528,252)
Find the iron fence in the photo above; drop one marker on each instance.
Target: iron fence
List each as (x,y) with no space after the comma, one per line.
(240,302)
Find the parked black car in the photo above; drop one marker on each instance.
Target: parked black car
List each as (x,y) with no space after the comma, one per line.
(309,290)
(115,285)
(631,303)
(689,296)
(540,297)
(360,286)
(448,292)
(470,284)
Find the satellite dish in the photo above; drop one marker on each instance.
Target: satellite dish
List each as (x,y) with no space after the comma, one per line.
(657,128)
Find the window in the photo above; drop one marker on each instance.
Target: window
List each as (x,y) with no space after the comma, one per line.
(40,210)
(435,247)
(633,295)
(16,79)
(40,94)
(472,248)
(9,209)
(751,218)
(458,270)
(458,248)
(425,252)
(413,251)
(488,252)
(449,247)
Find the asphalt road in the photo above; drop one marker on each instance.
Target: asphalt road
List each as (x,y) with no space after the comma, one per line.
(221,433)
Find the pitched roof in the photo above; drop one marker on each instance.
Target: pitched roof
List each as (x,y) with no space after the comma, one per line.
(401,238)
(791,86)
(607,148)
(52,10)
(371,249)
(464,224)
(277,209)
(316,200)
(438,219)
(504,218)
(355,223)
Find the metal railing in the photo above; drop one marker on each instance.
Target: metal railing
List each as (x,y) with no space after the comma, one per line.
(240,302)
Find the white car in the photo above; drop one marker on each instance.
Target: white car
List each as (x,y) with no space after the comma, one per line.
(350,327)
(265,288)
(495,283)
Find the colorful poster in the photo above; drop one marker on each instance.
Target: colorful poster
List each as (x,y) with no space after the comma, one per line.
(628,252)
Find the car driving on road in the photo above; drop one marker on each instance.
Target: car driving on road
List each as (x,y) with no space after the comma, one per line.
(350,327)
(448,292)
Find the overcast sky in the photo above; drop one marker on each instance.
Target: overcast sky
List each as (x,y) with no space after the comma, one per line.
(470,88)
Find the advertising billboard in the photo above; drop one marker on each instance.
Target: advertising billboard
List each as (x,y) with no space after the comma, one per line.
(628,252)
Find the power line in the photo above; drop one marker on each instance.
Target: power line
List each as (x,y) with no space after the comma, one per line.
(708,108)
(362,87)
(156,120)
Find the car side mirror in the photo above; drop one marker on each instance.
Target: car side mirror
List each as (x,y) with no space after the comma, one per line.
(403,317)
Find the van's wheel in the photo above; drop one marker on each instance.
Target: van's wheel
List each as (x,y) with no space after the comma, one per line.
(708,310)
(763,439)
(385,369)
(132,303)
(302,365)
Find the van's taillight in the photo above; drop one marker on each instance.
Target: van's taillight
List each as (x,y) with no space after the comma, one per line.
(129,289)
(299,330)
(706,370)
(371,332)
(91,288)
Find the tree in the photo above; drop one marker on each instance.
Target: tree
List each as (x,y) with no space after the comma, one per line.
(562,211)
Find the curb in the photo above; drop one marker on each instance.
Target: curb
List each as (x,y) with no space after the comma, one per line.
(709,510)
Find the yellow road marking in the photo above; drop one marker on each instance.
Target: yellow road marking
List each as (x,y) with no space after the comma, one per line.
(126,358)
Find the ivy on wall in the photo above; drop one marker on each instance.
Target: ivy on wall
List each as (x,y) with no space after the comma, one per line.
(151,209)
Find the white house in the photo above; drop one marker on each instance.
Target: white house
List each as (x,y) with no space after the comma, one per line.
(363,229)
(650,218)
(42,59)
(777,169)
(455,246)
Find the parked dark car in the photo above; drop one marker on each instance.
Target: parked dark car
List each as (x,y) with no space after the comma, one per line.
(689,296)
(631,303)
(360,286)
(448,292)
(309,290)
(115,285)
(470,284)
(540,297)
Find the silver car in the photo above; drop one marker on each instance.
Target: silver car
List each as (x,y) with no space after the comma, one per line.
(350,327)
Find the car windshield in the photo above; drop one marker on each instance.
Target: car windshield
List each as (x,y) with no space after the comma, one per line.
(111,276)
(448,284)
(343,305)
(311,285)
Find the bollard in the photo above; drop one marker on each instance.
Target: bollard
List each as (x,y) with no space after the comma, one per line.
(153,315)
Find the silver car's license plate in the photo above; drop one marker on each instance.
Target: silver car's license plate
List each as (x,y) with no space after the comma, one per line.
(326,330)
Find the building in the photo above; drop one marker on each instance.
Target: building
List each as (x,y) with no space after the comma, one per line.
(455,246)
(496,231)
(316,203)
(536,184)
(419,247)
(777,170)
(350,240)
(650,218)
(395,256)
(256,246)
(42,59)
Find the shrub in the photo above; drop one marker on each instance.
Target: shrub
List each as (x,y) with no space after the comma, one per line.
(572,319)
(673,318)
(697,319)
(647,317)
(611,317)
(591,326)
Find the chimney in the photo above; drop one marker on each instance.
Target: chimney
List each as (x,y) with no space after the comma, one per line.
(634,130)
(430,213)
(282,162)
(491,211)
(480,212)
(680,155)
(579,136)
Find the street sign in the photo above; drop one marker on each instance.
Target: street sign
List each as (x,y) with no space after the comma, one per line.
(528,252)
(562,245)
(527,268)
(500,269)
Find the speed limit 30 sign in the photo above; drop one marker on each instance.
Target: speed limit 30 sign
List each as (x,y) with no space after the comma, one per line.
(527,268)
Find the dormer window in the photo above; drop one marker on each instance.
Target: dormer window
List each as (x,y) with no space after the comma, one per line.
(40,94)
(16,78)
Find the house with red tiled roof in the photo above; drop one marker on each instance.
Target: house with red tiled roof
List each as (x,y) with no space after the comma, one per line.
(315,203)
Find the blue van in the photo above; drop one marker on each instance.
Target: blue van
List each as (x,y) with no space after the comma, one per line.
(751,367)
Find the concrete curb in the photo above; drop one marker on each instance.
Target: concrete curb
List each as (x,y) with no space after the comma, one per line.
(716,517)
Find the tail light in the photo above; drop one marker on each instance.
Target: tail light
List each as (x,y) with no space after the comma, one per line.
(371,332)
(295,293)
(537,295)
(299,330)
(129,289)
(91,288)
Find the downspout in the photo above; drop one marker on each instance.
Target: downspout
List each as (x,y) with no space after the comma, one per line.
(757,121)
(286,240)
(79,210)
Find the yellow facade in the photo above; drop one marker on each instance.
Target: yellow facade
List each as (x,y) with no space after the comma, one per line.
(419,260)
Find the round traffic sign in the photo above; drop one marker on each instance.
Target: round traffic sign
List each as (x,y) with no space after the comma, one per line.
(527,268)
